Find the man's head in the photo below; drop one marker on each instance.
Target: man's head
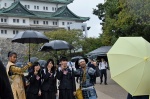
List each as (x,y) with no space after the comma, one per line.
(63,62)
(12,56)
(82,62)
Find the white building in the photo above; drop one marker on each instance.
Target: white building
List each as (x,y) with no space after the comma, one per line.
(39,15)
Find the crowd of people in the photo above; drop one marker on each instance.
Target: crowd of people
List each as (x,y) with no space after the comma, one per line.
(41,83)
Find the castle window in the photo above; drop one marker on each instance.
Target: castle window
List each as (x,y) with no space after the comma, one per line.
(36,22)
(63,23)
(24,21)
(54,23)
(15,32)
(69,23)
(5,31)
(45,22)
(1,19)
(53,8)
(17,20)
(46,8)
(5,4)
(14,20)
(27,6)
(37,7)
(1,31)
(5,20)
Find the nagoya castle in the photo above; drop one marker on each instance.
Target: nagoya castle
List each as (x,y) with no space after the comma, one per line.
(38,15)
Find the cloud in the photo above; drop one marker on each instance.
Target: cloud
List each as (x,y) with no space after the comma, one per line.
(84,8)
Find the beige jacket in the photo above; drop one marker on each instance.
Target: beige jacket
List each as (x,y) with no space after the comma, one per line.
(16,79)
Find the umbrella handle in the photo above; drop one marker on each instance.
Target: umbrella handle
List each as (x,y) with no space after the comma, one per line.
(29,50)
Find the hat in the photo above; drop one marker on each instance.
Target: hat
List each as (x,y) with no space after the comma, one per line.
(63,58)
(79,60)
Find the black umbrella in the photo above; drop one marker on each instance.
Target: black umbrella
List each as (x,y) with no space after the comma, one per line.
(42,63)
(30,36)
(74,59)
(99,57)
(19,64)
(56,45)
(33,59)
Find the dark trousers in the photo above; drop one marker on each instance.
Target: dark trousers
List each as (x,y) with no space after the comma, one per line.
(32,96)
(66,94)
(48,95)
(103,72)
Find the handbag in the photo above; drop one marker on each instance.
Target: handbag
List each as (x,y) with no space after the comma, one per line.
(79,94)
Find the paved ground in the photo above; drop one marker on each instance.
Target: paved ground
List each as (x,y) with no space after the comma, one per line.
(110,91)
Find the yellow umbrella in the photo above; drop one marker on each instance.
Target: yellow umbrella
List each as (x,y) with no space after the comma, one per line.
(130,64)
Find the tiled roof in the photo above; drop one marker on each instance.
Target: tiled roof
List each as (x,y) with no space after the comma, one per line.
(18,10)
(55,1)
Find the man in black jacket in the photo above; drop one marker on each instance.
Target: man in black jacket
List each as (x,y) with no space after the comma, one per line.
(5,88)
(66,77)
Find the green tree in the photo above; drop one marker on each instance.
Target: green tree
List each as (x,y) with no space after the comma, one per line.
(107,12)
(123,18)
(89,44)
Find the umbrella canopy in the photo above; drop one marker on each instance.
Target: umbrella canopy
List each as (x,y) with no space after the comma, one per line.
(98,57)
(130,64)
(42,63)
(94,56)
(74,59)
(30,36)
(100,51)
(56,45)
(33,59)
(19,64)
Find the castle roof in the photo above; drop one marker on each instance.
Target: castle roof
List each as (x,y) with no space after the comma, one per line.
(63,13)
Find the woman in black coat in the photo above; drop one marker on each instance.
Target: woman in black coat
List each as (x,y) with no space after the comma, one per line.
(34,77)
(49,88)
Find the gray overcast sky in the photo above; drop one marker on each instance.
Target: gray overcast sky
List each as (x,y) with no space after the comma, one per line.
(85,8)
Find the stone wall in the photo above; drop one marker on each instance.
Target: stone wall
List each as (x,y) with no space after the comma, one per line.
(6,45)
